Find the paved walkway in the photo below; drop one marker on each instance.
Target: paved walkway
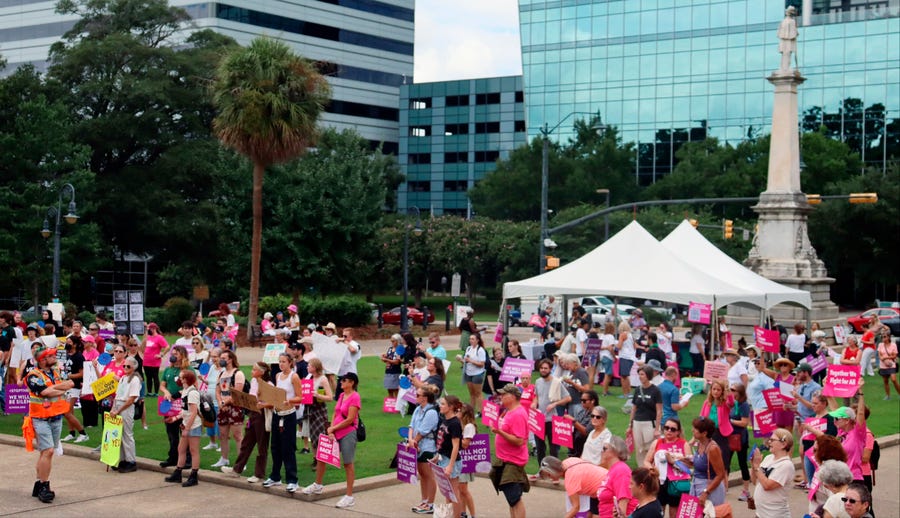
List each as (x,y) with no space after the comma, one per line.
(85,488)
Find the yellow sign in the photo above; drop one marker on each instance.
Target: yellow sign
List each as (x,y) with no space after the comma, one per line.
(111,447)
(104,387)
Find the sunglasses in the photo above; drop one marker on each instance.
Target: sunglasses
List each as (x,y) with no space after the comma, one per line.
(851,500)
(127,367)
(670,428)
(585,400)
(119,351)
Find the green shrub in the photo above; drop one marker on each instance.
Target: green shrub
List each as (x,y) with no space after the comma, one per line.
(343,310)
(270,303)
(177,310)
(156,315)
(86,318)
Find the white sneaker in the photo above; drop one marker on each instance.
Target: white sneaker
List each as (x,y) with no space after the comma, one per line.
(229,470)
(211,446)
(313,489)
(68,438)
(253,479)
(291,488)
(222,462)
(82,438)
(271,483)
(345,501)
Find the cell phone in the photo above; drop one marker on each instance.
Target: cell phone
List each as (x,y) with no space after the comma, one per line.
(752,452)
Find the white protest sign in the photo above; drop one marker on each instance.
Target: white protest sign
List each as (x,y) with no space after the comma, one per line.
(329,352)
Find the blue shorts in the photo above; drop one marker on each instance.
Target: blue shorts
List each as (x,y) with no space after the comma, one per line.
(625,367)
(47,432)
(476,379)
(197,431)
(606,366)
(457,466)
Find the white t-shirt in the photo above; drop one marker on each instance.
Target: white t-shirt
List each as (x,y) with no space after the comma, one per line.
(735,372)
(795,343)
(775,502)
(193,398)
(127,389)
(665,342)
(477,354)
(627,352)
(568,344)
(697,342)
(580,336)
(593,446)
(348,363)
(607,343)
(187,343)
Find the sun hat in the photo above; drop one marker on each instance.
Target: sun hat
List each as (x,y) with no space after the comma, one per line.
(655,365)
(306,340)
(755,348)
(784,361)
(268,315)
(292,307)
(331,326)
(730,351)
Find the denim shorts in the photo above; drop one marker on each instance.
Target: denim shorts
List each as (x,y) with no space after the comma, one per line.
(457,466)
(606,366)
(476,379)
(625,367)
(196,431)
(47,432)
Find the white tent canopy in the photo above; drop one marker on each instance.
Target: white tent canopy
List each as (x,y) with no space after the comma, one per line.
(633,263)
(688,244)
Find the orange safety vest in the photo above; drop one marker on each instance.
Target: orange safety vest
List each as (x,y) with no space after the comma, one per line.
(45,407)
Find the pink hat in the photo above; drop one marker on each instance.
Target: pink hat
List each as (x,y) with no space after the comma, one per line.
(88,338)
(292,307)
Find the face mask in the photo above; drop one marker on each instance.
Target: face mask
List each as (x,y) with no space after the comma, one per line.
(108,348)
(173,359)
(223,363)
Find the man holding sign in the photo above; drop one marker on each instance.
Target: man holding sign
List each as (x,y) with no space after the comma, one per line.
(511,445)
(47,406)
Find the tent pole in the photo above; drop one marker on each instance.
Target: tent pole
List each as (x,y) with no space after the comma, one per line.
(564,323)
(714,320)
(504,316)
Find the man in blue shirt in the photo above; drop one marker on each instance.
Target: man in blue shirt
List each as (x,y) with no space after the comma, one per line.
(805,390)
(671,399)
(435,349)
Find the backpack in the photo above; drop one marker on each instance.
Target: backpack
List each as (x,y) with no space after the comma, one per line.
(207,409)
(875,456)
(246,388)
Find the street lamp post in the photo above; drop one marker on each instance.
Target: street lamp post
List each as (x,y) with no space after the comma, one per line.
(56,213)
(606,216)
(546,131)
(404,325)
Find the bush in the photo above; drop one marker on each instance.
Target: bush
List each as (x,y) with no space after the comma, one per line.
(156,315)
(343,310)
(271,303)
(177,310)
(86,318)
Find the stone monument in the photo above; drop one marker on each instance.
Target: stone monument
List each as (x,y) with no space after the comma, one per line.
(781,249)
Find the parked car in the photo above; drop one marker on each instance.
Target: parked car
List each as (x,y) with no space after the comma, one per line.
(597,300)
(888,316)
(413,316)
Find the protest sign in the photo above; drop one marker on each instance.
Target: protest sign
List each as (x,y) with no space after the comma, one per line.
(699,313)
(841,381)
(816,363)
(273,396)
(329,451)
(787,391)
(17,399)
(242,400)
(536,423)
(767,339)
(477,457)
(817,423)
(689,507)
(389,406)
(409,396)
(329,352)
(561,429)
(111,446)
(515,368)
(168,408)
(104,387)
(443,482)
(591,352)
(306,391)
(840,334)
(763,423)
(774,399)
(406,464)
(489,413)
(270,355)
(713,370)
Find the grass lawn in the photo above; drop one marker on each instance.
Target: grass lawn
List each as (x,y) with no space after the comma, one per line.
(374,455)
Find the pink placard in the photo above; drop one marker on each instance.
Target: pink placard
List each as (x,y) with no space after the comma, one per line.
(515,368)
(764,422)
(713,370)
(389,406)
(536,423)
(328,451)
(561,429)
(410,396)
(841,381)
(175,410)
(489,414)
(768,339)
(818,423)
(699,313)
(689,507)
(774,399)
(306,392)
(443,482)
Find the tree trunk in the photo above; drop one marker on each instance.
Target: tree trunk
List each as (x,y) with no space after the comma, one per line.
(255,246)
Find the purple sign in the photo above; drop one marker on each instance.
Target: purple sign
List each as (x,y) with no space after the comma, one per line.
(591,352)
(443,482)
(108,334)
(477,457)
(17,399)
(817,363)
(406,464)
(515,368)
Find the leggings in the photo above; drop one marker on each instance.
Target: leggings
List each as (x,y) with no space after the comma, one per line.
(90,412)
(742,458)
(152,374)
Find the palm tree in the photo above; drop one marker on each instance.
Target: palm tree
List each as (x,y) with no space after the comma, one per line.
(268,100)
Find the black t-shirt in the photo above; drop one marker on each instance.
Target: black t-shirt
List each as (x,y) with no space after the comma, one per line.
(447,431)
(301,368)
(390,368)
(645,401)
(437,382)
(655,353)
(651,510)
(74,364)
(7,336)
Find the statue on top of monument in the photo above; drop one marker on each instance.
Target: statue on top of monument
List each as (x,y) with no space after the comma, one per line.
(787,34)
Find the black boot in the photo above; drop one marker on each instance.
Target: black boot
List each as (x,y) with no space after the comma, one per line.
(45,495)
(127,467)
(192,479)
(37,488)
(175,476)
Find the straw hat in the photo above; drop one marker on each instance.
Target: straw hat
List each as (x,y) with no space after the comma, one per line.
(784,361)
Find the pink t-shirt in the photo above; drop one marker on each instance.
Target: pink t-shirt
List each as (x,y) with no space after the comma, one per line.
(154,345)
(870,444)
(514,422)
(582,477)
(676,447)
(117,370)
(342,410)
(617,484)
(91,355)
(853,443)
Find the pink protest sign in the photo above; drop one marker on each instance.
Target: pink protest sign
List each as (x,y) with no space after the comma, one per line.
(306,392)
(389,406)
(410,396)
(443,482)
(174,406)
(328,451)
(713,370)
(536,423)
(839,334)
(17,399)
(841,381)
(515,368)
(406,464)
(489,414)
(561,429)
(699,313)
(816,363)
(817,423)
(774,399)
(764,423)
(689,507)
(768,339)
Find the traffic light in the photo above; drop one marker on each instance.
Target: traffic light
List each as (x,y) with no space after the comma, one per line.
(551,262)
(693,222)
(728,228)
(813,199)
(864,197)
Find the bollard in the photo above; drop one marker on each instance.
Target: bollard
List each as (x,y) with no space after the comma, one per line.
(380,316)
(447,321)
(424,317)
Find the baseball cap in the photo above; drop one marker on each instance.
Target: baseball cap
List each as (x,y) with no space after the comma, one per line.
(843,413)
(804,367)
(510,388)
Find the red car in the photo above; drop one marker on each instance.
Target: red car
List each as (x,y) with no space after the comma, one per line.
(888,316)
(413,315)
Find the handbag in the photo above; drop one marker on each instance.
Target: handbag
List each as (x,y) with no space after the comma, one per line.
(677,488)
(734,442)
(360,430)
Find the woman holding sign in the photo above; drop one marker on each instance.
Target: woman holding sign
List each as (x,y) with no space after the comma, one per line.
(317,412)
(257,436)
(189,428)
(449,440)
(170,388)
(230,417)
(284,426)
(423,429)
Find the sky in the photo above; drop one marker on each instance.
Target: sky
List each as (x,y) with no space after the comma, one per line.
(466,39)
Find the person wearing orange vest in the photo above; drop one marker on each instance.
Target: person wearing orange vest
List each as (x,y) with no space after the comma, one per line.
(48,403)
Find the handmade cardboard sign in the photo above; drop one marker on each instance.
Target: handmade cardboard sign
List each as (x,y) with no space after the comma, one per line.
(274,396)
(713,370)
(272,351)
(111,446)
(246,401)
(104,387)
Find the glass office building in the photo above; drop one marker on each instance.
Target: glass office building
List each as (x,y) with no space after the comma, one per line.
(451,134)
(365,47)
(669,71)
